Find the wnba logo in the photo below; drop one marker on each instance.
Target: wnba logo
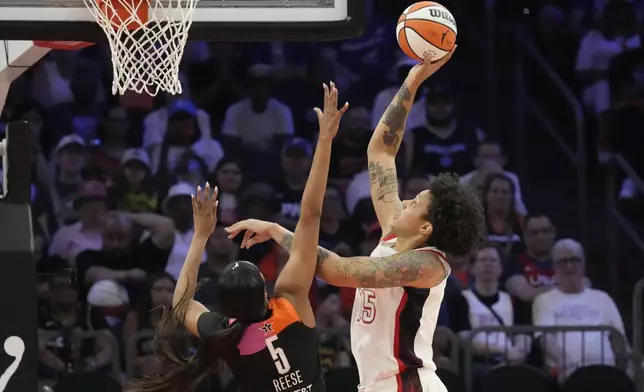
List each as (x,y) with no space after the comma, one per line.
(14,347)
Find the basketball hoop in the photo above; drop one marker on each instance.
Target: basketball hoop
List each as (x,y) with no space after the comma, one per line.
(147,39)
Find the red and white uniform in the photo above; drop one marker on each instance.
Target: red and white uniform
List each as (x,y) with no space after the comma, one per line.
(392,331)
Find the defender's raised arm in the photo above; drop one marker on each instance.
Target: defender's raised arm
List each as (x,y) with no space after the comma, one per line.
(386,139)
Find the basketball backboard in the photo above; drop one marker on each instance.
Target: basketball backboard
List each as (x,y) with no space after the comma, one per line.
(214,20)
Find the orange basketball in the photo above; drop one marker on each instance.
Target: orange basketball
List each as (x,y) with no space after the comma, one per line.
(426,27)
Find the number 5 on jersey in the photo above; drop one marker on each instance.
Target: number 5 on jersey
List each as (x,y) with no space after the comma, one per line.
(368,312)
(279,357)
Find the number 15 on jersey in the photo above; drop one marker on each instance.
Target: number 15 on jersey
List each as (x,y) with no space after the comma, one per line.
(367,313)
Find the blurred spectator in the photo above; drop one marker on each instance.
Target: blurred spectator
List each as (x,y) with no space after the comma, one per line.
(228,177)
(617,32)
(111,300)
(192,120)
(186,141)
(349,155)
(71,157)
(334,337)
(260,202)
(531,273)
(144,317)
(414,184)
(134,188)
(444,142)
(336,232)
(488,161)
(571,303)
(123,257)
(108,147)
(503,223)
(178,206)
(61,350)
(258,121)
(416,116)
(296,163)
(70,240)
(486,305)
(220,251)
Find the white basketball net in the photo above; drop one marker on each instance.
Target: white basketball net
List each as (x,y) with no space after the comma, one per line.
(145,59)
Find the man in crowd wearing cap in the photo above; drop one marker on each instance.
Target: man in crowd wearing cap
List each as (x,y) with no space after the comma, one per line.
(70,157)
(296,162)
(70,240)
(444,143)
(259,120)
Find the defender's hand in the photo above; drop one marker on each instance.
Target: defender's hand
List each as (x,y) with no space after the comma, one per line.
(204,211)
(423,70)
(257,231)
(329,119)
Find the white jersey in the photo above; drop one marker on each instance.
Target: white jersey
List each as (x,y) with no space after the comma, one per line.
(392,330)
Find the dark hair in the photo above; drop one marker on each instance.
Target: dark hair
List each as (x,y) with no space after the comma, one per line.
(227,159)
(456,213)
(534,215)
(487,245)
(240,293)
(489,180)
(145,305)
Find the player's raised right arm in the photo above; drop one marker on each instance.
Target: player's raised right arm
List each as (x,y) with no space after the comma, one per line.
(386,140)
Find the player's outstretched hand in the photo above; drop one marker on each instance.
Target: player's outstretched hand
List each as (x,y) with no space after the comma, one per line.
(329,118)
(257,231)
(426,68)
(204,210)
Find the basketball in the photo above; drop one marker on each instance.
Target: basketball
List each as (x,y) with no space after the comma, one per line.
(426,26)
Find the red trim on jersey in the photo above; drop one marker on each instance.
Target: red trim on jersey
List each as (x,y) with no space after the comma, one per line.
(401,365)
(388,237)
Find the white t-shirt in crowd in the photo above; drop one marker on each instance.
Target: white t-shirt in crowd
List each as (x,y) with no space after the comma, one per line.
(596,51)
(258,129)
(591,307)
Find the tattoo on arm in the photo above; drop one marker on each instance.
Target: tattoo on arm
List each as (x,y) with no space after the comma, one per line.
(395,117)
(400,269)
(386,182)
(287,243)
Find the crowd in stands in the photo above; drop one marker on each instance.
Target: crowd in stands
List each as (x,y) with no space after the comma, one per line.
(112,179)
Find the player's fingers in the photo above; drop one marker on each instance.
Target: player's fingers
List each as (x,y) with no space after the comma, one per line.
(247,236)
(235,228)
(344,108)
(250,243)
(326,93)
(334,96)
(194,202)
(327,97)
(427,57)
(447,56)
(318,112)
(215,193)
(199,194)
(206,195)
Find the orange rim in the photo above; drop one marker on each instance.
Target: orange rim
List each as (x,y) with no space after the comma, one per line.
(119,13)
